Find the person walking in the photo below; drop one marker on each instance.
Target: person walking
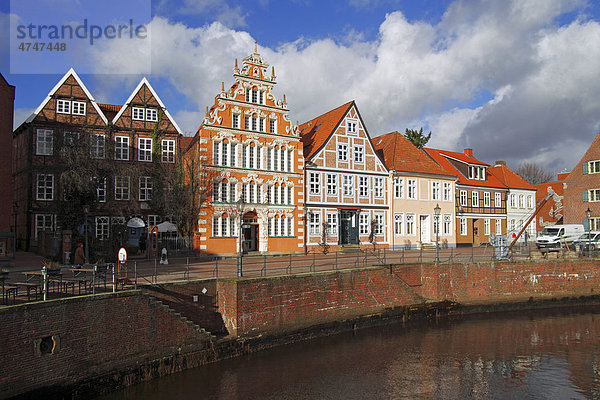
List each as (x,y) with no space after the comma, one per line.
(79,255)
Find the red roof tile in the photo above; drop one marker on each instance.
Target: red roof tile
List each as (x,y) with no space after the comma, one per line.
(314,133)
(440,156)
(110,110)
(509,178)
(399,154)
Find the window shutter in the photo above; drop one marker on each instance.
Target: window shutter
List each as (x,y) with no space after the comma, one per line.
(585,195)
(585,169)
(586,224)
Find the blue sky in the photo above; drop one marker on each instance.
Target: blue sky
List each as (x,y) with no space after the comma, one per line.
(514,80)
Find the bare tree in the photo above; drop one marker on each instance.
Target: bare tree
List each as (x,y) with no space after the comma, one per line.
(533,173)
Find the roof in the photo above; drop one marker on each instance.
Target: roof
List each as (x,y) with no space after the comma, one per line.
(441,157)
(144,81)
(110,110)
(185,142)
(70,72)
(315,133)
(509,178)
(399,154)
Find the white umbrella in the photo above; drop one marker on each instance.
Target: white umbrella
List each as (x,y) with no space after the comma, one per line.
(166,227)
(135,222)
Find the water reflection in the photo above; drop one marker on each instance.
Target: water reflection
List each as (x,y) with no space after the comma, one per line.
(532,355)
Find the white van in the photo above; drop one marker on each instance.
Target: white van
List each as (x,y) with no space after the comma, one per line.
(555,236)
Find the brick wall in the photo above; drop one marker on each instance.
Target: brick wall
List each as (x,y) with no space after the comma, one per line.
(88,336)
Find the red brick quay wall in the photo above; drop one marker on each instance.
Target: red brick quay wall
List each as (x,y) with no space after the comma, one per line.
(96,343)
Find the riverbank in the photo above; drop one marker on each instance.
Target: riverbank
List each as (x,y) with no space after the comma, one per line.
(82,346)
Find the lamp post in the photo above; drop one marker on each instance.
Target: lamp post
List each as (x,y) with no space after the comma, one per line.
(86,210)
(588,213)
(240,210)
(437,211)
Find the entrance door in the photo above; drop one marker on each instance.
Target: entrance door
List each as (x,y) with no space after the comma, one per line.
(476,239)
(348,227)
(424,232)
(250,236)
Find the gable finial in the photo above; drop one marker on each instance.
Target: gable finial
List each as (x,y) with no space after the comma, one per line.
(255,48)
(207,111)
(222,86)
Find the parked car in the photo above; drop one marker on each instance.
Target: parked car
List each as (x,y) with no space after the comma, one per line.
(588,241)
(557,236)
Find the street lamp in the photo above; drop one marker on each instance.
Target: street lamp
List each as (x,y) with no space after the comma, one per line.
(240,210)
(588,212)
(437,211)
(86,210)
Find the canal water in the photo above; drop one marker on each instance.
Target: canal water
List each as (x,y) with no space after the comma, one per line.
(552,354)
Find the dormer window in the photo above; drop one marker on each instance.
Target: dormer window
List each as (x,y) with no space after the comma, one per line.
(476,173)
(70,107)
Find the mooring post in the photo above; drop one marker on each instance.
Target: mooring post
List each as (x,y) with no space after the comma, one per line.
(135,275)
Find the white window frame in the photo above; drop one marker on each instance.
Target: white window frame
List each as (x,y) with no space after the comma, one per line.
(63,106)
(332,185)
(314,224)
(594,195)
(498,230)
(436,190)
(412,192)
(44,142)
(347,186)
(122,187)
(462,198)
(410,224)
(487,199)
(102,228)
(43,223)
(497,199)
(342,152)
(145,188)
(378,225)
(463,226)
(122,148)
(363,186)
(486,226)
(447,191)
(359,154)
(474,198)
(352,126)
(97,146)
(399,224)
(332,223)
(78,108)
(363,223)
(151,114)
(378,187)
(44,187)
(314,182)
(447,225)
(138,113)
(398,188)
(100,190)
(594,167)
(145,149)
(167,147)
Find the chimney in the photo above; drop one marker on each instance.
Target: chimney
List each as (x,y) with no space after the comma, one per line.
(500,162)
(469,152)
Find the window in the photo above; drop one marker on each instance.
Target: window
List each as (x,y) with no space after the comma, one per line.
(78,108)
(44,142)
(332,224)
(476,172)
(475,198)
(521,201)
(290,164)
(363,223)
(378,187)
(168,151)
(352,127)
(399,188)
(63,106)
(447,225)
(224,226)
(314,183)
(513,224)
(144,149)
(378,224)
(398,221)
(463,198)
(314,224)
(513,200)
(251,151)
(97,146)
(463,226)
(363,186)
(486,226)
(498,227)
(70,138)
(436,191)
(594,195)
(121,188)
(410,224)
(347,186)
(121,148)
(593,167)
(359,154)
(254,123)
(43,222)
(100,189)
(102,228)
(272,126)
(594,224)
(137,113)
(151,114)
(447,191)
(412,189)
(282,159)
(487,199)
(530,201)
(497,200)
(45,187)
(145,188)
(247,122)
(216,153)
(331,184)
(342,152)
(235,121)
(153,220)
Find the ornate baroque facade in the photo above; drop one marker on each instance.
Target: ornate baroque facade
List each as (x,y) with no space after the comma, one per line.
(253,156)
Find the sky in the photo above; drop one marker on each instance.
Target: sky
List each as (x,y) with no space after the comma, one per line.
(515,80)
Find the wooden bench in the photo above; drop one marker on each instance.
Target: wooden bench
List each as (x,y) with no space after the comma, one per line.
(7,291)
(30,286)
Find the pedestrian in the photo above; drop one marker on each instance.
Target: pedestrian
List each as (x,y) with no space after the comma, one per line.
(79,254)
(143,243)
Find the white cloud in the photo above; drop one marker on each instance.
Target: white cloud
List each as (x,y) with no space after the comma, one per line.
(542,77)
(20,115)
